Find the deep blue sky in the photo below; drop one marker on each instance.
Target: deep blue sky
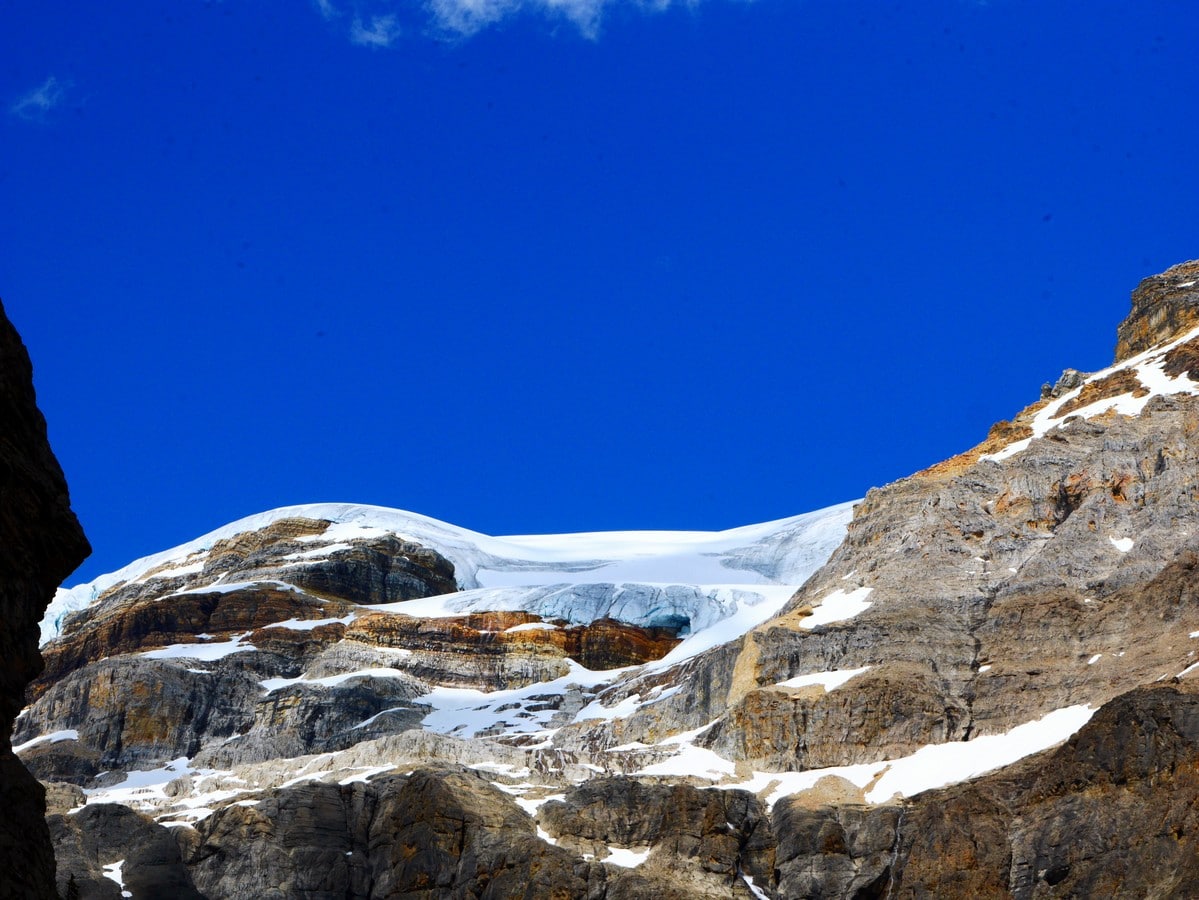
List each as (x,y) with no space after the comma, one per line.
(690,268)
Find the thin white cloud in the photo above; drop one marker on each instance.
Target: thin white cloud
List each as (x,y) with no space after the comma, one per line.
(463,18)
(34,105)
(377,23)
(328,11)
(380,31)
(467,17)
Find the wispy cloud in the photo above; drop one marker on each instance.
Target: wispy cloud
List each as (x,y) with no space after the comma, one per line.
(455,19)
(379,31)
(466,17)
(469,16)
(34,105)
(328,11)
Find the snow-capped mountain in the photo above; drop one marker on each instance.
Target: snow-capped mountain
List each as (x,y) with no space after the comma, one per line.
(626,575)
(981,680)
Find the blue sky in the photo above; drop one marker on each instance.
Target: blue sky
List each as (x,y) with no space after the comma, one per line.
(533,266)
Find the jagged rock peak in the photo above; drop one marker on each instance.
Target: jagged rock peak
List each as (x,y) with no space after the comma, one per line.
(1163,306)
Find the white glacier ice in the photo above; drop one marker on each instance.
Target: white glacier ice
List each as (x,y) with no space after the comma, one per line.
(686,579)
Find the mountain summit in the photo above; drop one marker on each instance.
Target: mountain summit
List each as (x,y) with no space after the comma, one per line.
(977,681)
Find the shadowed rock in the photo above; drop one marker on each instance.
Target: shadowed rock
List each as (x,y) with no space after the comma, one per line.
(40,544)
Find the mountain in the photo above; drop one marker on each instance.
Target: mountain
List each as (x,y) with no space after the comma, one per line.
(977,681)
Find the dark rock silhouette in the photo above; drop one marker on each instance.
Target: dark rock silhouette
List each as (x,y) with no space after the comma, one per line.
(41,543)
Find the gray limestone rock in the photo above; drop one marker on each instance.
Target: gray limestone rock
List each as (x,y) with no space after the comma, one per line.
(435,833)
(105,834)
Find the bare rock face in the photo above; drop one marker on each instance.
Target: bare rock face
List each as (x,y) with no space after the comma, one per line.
(1163,306)
(106,834)
(40,544)
(706,839)
(843,850)
(444,832)
(433,834)
(143,622)
(138,713)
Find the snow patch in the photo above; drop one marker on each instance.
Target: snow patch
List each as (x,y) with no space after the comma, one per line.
(626,858)
(938,765)
(67,734)
(379,715)
(758,893)
(467,712)
(690,759)
(321,552)
(365,773)
(113,872)
(309,624)
(142,786)
(219,587)
(1122,544)
(270,685)
(203,652)
(837,607)
(176,571)
(828,680)
(532,626)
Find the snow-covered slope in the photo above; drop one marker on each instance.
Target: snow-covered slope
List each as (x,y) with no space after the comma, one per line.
(579,577)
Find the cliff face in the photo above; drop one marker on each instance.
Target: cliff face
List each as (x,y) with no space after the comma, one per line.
(40,544)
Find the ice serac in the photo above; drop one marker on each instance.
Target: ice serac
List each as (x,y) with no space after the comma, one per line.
(40,544)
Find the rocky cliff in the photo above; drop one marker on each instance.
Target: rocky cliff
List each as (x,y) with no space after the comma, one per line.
(983,684)
(40,544)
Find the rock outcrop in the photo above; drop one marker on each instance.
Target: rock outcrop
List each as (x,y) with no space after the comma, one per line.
(40,544)
(435,833)
(1163,306)
(109,851)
